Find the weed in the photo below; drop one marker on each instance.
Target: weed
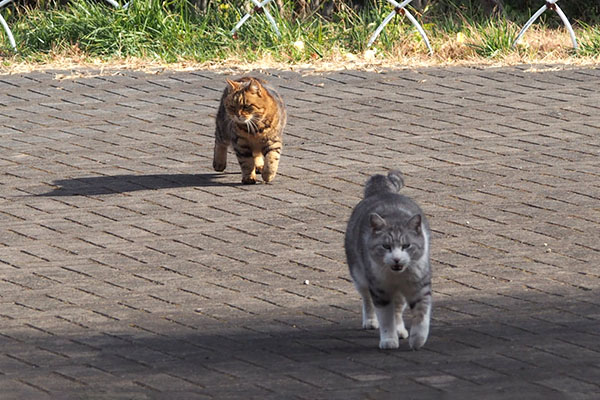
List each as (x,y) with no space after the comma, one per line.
(494,38)
(176,31)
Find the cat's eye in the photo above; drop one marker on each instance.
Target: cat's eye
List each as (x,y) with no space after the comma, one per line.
(386,246)
(405,246)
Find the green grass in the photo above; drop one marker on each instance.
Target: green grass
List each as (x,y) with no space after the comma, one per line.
(496,38)
(173,30)
(589,42)
(150,28)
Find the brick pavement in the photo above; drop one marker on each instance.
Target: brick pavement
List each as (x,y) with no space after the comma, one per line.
(130,270)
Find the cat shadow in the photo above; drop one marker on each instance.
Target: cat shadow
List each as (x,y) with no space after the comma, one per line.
(115,184)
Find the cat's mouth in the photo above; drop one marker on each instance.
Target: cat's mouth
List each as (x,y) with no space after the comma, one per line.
(398,267)
(249,124)
(242,120)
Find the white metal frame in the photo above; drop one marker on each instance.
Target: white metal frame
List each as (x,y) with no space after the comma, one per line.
(550,4)
(400,8)
(117,5)
(11,38)
(258,7)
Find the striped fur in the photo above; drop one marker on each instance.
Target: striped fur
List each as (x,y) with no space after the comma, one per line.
(387,248)
(251,119)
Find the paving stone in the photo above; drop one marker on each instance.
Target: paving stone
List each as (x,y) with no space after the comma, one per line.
(130,270)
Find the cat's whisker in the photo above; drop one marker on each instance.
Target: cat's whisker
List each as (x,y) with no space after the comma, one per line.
(252,126)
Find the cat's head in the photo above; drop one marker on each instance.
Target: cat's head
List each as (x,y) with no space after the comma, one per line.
(247,102)
(396,243)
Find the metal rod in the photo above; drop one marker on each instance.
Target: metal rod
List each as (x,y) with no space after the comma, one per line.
(11,39)
(528,24)
(565,21)
(272,21)
(380,28)
(397,7)
(401,5)
(240,23)
(113,3)
(258,6)
(420,29)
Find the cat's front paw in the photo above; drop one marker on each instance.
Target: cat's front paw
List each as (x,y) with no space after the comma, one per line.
(418,335)
(249,180)
(416,340)
(218,166)
(370,323)
(267,175)
(402,332)
(389,343)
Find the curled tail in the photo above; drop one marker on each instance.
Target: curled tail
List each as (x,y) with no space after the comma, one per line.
(392,183)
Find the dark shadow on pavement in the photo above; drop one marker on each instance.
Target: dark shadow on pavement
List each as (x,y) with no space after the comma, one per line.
(99,185)
(259,357)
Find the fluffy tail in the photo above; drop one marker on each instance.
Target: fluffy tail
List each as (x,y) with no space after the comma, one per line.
(392,183)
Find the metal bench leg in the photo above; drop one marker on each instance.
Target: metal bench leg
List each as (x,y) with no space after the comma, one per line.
(552,5)
(420,29)
(113,3)
(11,38)
(117,5)
(259,7)
(565,21)
(400,9)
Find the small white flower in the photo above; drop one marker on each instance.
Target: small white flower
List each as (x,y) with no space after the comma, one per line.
(299,45)
(370,54)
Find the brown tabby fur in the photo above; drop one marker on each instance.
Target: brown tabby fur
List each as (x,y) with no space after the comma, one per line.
(251,119)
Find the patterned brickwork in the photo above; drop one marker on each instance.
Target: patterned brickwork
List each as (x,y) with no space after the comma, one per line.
(130,270)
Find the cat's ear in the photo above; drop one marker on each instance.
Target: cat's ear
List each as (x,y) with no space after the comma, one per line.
(255,87)
(233,84)
(414,224)
(377,223)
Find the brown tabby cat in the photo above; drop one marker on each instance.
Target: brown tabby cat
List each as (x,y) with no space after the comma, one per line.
(251,118)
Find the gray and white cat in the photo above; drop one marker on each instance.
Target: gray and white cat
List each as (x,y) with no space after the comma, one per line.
(387,249)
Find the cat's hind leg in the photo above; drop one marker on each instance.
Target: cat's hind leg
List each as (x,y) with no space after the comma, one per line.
(399,306)
(220,156)
(419,328)
(245,157)
(369,319)
(272,153)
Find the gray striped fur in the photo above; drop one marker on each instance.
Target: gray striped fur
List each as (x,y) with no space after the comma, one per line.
(387,248)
